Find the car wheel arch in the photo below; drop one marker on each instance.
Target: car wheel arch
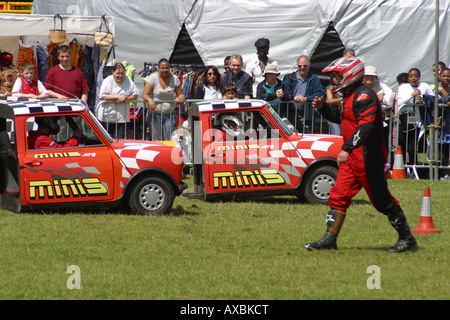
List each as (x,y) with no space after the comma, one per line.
(310,170)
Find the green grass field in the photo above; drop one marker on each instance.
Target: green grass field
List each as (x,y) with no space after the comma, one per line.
(225,250)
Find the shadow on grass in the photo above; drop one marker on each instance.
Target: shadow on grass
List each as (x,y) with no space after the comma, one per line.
(175,211)
(255,199)
(274,200)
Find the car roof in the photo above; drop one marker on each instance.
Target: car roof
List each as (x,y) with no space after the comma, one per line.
(213,105)
(22,106)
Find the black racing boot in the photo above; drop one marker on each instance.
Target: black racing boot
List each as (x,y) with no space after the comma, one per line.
(406,240)
(327,242)
(335,219)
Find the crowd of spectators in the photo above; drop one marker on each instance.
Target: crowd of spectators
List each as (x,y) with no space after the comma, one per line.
(291,96)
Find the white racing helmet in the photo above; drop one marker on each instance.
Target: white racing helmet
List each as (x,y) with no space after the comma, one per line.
(351,69)
(231,125)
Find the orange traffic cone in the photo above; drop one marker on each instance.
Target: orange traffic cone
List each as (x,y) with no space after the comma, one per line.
(398,171)
(426,221)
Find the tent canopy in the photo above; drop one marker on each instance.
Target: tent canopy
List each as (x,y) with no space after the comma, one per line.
(392,35)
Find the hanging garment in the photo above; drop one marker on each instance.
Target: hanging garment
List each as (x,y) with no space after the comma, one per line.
(99,81)
(27,54)
(87,68)
(52,49)
(74,52)
(42,59)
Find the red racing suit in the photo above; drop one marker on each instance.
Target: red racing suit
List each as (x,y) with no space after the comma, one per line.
(362,130)
(39,140)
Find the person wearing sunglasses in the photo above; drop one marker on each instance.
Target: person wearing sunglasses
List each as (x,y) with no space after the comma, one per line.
(304,86)
(210,87)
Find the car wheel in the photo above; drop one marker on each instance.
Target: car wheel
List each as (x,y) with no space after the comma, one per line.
(151,196)
(319,183)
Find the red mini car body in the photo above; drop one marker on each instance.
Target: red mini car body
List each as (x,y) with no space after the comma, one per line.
(144,176)
(263,157)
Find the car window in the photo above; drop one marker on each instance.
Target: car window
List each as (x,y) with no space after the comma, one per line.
(243,125)
(63,127)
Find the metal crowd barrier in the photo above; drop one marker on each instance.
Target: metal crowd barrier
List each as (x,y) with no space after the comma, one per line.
(425,141)
(141,119)
(422,142)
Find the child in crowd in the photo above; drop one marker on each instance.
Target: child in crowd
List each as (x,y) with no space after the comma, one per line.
(27,87)
(229,91)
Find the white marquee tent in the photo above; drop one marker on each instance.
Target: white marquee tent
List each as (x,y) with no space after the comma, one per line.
(392,35)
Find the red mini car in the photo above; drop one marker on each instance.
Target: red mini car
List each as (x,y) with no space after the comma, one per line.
(243,148)
(143,175)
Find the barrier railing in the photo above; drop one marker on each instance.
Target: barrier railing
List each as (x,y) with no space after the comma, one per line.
(425,142)
(143,124)
(120,128)
(146,125)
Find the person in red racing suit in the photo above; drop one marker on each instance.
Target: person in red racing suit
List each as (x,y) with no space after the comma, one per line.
(362,159)
(40,139)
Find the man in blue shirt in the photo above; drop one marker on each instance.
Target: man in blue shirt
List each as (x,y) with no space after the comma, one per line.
(304,86)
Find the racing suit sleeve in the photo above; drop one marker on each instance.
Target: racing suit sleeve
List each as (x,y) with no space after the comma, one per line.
(365,109)
(330,113)
(44,142)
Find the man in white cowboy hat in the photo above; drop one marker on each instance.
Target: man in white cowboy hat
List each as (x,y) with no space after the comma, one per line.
(372,81)
(273,89)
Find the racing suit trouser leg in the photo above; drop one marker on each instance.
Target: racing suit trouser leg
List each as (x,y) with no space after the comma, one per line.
(397,219)
(335,220)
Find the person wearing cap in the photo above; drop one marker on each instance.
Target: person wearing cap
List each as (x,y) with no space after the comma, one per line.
(383,92)
(273,89)
(371,80)
(256,66)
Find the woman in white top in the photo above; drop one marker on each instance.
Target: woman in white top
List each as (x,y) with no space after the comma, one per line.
(117,90)
(162,85)
(410,93)
(413,91)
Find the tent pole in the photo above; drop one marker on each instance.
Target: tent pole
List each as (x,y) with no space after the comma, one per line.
(434,129)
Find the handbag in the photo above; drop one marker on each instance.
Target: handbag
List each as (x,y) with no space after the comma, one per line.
(103,38)
(57,35)
(107,70)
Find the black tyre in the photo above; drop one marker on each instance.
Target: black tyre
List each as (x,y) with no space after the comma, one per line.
(319,183)
(151,196)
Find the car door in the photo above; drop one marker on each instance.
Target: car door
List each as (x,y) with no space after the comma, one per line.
(68,173)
